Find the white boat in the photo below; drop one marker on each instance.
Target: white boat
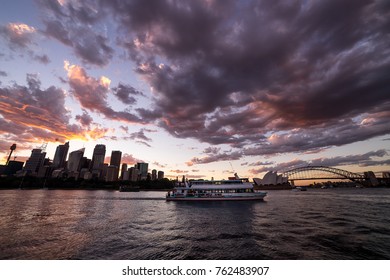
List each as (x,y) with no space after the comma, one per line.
(215,190)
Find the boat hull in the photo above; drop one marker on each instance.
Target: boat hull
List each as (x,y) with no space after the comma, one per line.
(238,198)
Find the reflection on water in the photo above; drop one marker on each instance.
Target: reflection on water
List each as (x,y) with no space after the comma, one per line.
(318,224)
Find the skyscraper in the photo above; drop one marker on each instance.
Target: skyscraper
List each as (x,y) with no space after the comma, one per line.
(123,170)
(60,155)
(112,173)
(35,161)
(98,156)
(133,174)
(116,157)
(115,160)
(75,160)
(154,174)
(143,170)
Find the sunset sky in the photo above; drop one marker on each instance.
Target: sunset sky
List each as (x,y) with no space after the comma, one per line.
(199,88)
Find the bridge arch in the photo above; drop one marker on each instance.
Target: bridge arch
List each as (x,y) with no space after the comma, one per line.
(337,173)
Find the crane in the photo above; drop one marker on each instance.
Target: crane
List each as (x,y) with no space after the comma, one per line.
(12,148)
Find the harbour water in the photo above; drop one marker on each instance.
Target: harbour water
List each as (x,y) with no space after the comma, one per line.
(80,224)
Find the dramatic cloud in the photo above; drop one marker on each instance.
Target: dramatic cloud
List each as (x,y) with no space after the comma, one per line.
(92,94)
(31,114)
(296,68)
(71,23)
(140,137)
(214,154)
(258,77)
(367,159)
(130,159)
(20,36)
(85,119)
(126,93)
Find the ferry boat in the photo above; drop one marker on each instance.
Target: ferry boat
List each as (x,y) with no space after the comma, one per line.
(215,190)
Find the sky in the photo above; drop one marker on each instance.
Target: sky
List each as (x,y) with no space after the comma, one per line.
(199,88)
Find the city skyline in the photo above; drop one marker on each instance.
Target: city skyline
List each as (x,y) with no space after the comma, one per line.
(199,88)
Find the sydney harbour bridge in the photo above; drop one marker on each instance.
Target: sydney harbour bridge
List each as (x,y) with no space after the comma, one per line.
(312,173)
(321,173)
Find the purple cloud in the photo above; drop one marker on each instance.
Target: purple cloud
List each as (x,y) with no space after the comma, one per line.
(126,93)
(367,159)
(262,77)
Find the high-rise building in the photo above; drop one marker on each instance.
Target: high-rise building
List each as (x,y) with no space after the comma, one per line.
(154,174)
(160,175)
(116,157)
(35,161)
(126,175)
(143,170)
(133,174)
(98,156)
(115,160)
(75,160)
(112,173)
(60,155)
(123,170)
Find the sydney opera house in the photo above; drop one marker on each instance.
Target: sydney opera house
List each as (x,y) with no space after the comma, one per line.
(271,178)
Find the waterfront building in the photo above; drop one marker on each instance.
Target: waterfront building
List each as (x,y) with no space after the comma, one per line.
(87,175)
(75,160)
(59,160)
(160,175)
(2,168)
(103,170)
(35,161)
(98,156)
(84,171)
(44,171)
(371,178)
(123,170)
(154,174)
(143,170)
(85,163)
(12,167)
(271,178)
(116,157)
(112,173)
(133,174)
(126,175)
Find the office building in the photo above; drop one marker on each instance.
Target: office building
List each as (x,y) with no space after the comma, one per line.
(126,175)
(160,175)
(75,160)
(59,160)
(13,167)
(123,170)
(143,170)
(98,156)
(35,161)
(154,174)
(112,173)
(133,174)
(116,157)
